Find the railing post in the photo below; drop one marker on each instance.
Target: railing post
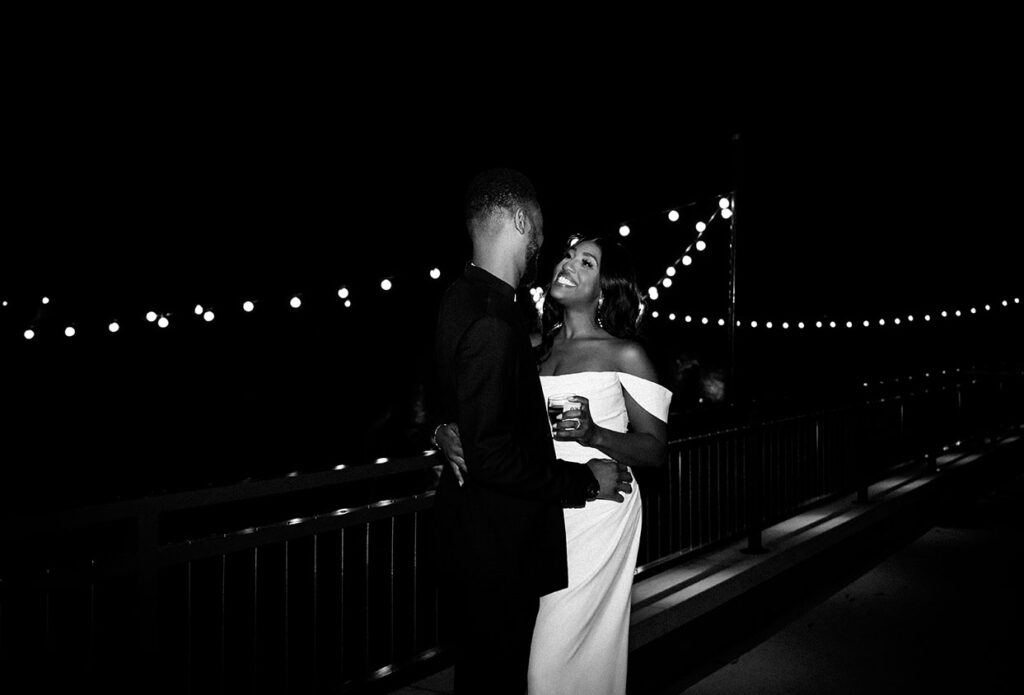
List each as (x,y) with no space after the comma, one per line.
(147,588)
(755,486)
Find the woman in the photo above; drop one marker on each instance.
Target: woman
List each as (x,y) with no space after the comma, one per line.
(587,348)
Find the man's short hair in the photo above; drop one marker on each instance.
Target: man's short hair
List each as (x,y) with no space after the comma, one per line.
(496,189)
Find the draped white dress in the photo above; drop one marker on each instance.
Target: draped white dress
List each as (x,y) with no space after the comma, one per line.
(581,638)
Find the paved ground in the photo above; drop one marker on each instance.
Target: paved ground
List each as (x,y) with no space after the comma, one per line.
(941,614)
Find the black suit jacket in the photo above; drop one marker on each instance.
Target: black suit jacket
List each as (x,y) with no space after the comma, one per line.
(505,523)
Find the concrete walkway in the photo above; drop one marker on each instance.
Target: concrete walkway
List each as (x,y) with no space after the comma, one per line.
(907,593)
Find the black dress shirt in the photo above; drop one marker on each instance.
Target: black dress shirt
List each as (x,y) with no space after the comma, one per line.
(507,519)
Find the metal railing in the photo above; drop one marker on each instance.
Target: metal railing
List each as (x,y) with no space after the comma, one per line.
(271,586)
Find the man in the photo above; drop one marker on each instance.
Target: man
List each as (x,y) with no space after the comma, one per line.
(501,534)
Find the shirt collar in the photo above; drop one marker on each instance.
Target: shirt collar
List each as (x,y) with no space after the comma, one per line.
(475,272)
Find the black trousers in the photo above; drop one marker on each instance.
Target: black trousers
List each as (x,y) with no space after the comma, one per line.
(491,625)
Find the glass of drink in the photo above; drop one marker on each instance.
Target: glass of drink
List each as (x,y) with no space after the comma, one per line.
(558,403)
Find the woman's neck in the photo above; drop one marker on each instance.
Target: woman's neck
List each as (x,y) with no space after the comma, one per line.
(579,324)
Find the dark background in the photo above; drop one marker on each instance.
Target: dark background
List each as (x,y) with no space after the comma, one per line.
(156,188)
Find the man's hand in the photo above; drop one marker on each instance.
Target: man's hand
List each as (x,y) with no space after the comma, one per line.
(450,444)
(614,478)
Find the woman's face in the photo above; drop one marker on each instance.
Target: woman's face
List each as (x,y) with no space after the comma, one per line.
(577,277)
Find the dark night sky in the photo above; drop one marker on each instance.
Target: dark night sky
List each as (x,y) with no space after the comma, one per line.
(209,193)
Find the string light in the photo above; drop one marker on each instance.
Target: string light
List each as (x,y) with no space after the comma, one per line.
(704,320)
(721,322)
(114,327)
(30,334)
(295,303)
(688,318)
(348,303)
(46,300)
(654,313)
(723,203)
(343,293)
(670,271)
(944,314)
(248,306)
(800,325)
(385,284)
(435,273)
(785,325)
(151,316)
(70,331)
(163,322)
(199,309)
(686,260)
(208,316)
(673,216)
(831,324)
(753,324)
(768,324)
(700,245)
(652,292)
(701,226)
(624,230)
(667,282)
(726,214)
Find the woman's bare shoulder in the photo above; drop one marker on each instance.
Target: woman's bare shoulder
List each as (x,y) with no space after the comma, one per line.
(630,357)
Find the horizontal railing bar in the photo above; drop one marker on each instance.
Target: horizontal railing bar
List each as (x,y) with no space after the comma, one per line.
(290,530)
(236,492)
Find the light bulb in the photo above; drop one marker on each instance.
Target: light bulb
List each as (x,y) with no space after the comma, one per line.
(151,316)
(701,226)
(673,216)
(295,302)
(114,327)
(248,306)
(30,334)
(435,273)
(208,316)
(624,230)
(163,322)
(687,260)
(667,282)
(670,271)
(726,214)
(343,293)
(723,203)
(671,317)
(199,310)
(700,245)
(70,331)
(385,284)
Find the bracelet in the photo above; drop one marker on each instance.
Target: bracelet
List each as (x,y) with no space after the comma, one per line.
(433,437)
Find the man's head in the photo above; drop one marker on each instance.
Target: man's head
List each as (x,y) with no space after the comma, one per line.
(503,214)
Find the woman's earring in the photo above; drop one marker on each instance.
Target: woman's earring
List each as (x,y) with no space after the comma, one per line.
(600,303)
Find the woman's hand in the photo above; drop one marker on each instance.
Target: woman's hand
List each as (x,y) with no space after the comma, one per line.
(575,424)
(450,444)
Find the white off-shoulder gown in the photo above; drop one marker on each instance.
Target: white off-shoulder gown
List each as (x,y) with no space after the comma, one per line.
(581,638)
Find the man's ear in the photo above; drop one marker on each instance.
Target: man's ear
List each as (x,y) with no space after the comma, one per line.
(520,220)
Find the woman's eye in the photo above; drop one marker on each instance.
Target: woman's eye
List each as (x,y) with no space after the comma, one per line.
(588,264)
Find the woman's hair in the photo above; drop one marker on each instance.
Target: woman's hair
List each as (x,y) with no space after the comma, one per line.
(622,308)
